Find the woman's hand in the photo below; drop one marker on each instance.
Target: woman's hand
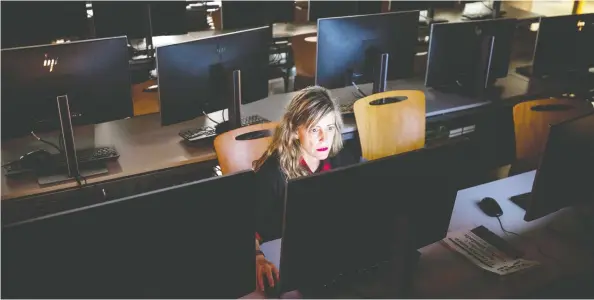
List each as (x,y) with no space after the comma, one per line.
(265,269)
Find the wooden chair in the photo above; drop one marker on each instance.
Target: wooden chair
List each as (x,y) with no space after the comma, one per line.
(238,149)
(300,15)
(216,19)
(304,56)
(531,126)
(392,126)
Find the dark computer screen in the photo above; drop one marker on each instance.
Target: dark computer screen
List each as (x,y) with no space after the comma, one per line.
(168,17)
(194,240)
(195,76)
(456,52)
(564,176)
(329,9)
(398,5)
(249,14)
(94,74)
(118,18)
(351,218)
(369,7)
(350,48)
(28,23)
(565,44)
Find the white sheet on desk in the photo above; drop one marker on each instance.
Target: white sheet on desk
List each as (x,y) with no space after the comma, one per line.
(272,251)
(502,264)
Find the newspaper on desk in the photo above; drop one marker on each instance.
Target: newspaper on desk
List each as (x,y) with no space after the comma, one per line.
(485,255)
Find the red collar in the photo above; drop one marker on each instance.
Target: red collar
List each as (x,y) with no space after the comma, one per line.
(324,166)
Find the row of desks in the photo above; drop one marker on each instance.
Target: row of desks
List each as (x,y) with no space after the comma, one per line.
(145,146)
(287,30)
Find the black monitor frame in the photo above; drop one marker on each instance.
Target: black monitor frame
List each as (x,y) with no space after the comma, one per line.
(552,57)
(346,214)
(94,74)
(429,6)
(261,13)
(55,20)
(196,77)
(194,240)
(118,18)
(319,9)
(561,178)
(470,70)
(343,55)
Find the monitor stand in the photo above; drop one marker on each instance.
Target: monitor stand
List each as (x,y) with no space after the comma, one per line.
(480,83)
(150,48)
(54,174)
(234,105)
(380,81)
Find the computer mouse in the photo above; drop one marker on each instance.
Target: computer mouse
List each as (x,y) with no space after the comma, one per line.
(35,158)
(490,207)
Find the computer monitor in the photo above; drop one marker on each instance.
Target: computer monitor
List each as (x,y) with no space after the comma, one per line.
(195,78)
(468,57)
(369,7)
(94,74)
(563,178)
(168,17)
(38,23)
(350,218)
(552,55)
(261,13)
(349,49)
(194,240)
(429,6)
(329,9)
(118,18)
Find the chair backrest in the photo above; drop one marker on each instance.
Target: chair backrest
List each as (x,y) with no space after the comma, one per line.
(392,126)
(531,126)
(304,55)
(238,149)
(216,19)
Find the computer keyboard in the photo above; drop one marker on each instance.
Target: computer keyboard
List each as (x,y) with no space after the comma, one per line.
(195,134)
(252,120)
(199,133)
(346,108)
(84,156)
(488,251)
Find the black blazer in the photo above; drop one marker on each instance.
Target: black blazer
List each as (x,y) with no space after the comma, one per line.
(271,185)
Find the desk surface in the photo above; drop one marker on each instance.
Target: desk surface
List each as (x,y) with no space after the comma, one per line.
(145,146)
(442,273)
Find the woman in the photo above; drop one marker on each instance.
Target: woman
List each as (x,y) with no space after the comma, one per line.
(308,140)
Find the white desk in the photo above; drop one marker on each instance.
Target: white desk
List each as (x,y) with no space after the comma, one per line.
(442,273)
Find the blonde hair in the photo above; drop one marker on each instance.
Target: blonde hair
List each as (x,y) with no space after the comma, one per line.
(306,109)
